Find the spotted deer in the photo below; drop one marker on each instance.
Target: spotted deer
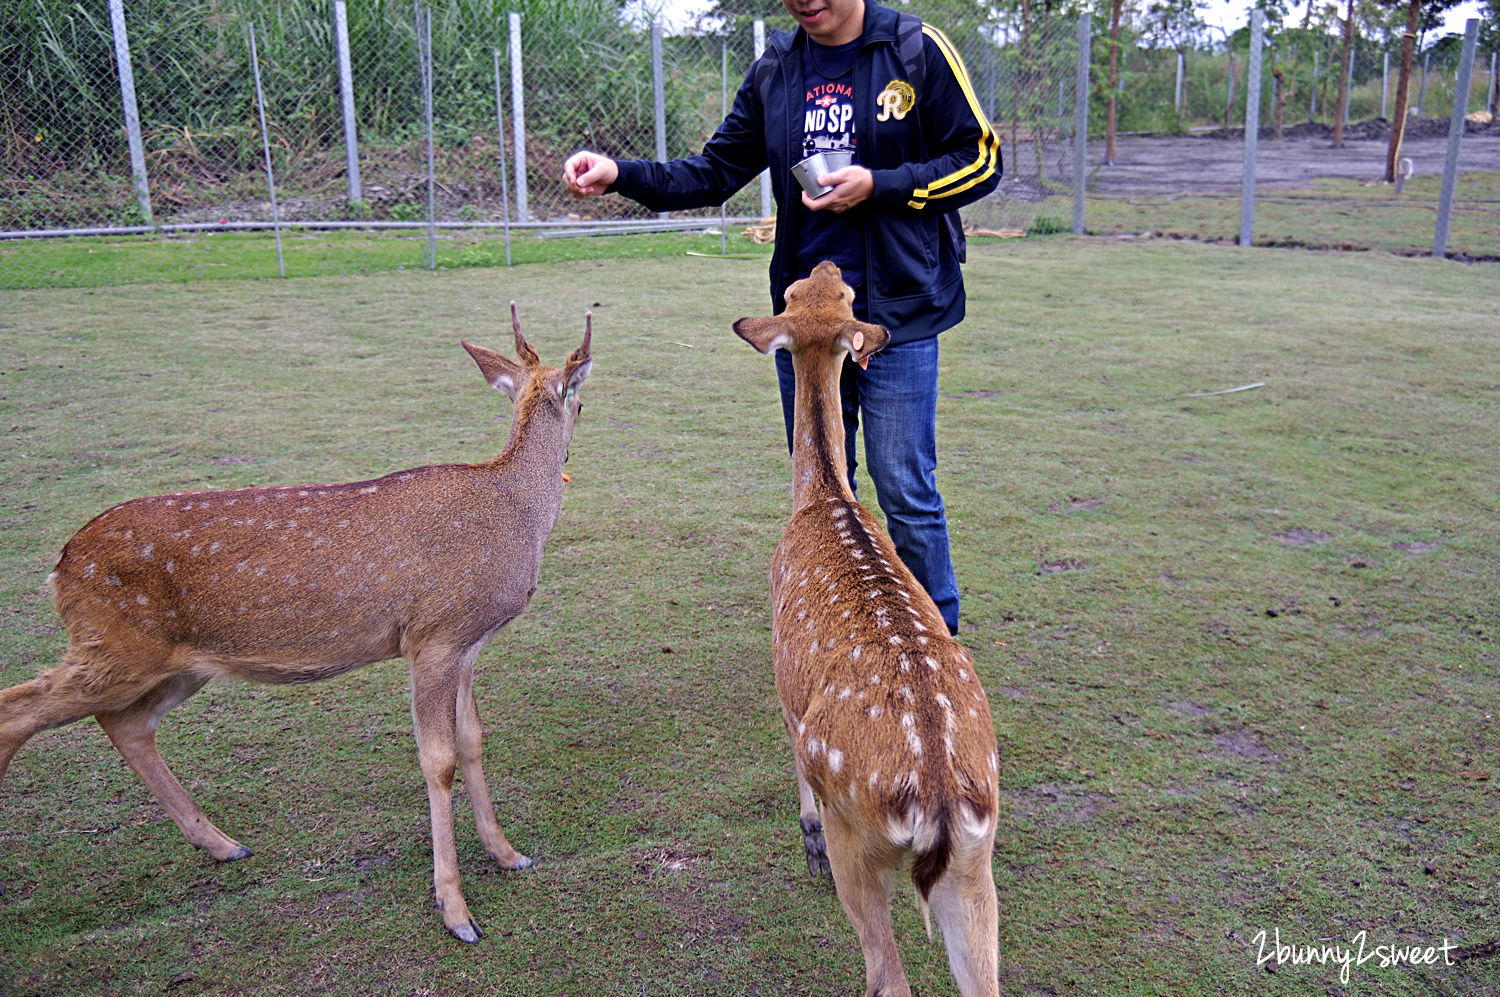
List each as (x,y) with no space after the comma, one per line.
(890,727)
(296,584)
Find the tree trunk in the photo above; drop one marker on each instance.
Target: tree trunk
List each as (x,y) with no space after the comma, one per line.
(1345,66)
(1114,81)
(1403,83)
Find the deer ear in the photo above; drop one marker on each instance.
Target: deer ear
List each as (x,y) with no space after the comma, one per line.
(502,373)
(574,375)
(863,338)
(765,334)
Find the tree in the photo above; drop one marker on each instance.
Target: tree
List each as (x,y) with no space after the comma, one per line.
(1112,101)
(1417,12)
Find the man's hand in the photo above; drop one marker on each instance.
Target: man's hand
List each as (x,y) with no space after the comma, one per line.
(588,174)
(851,185)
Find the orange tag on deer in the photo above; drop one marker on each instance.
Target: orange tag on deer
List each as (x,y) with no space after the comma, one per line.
(859,339)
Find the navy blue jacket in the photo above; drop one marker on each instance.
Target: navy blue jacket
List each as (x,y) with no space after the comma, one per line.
(929,147)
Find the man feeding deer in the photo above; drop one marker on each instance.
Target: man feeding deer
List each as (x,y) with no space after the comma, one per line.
(856,82)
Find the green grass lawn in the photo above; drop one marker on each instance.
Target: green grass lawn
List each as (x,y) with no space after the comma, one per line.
(1240,647)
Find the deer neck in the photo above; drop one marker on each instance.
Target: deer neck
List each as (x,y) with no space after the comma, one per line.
(538,443)
(819,467)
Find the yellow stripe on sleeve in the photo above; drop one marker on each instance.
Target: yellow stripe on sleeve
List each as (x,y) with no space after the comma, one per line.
(988,146)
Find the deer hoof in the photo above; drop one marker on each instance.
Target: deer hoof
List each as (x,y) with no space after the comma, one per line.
(240,852)
(817,854)
(519,862)
(466,932)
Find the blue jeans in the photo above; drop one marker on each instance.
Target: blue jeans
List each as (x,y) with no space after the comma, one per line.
(897,399)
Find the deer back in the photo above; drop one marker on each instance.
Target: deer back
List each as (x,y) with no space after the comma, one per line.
(294,583)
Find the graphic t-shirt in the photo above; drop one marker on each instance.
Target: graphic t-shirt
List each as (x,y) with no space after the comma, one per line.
(828,126)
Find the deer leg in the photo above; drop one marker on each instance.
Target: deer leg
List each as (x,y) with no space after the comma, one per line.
(471,756)
(75,689)
(132,730)
(862,875)
(968,914)
(812,828)
(807,809)
(435,688)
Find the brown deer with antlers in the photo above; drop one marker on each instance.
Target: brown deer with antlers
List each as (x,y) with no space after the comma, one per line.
(296,584)
(889,724)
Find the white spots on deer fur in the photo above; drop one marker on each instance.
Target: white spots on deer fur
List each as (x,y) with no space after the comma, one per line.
(856,652)
(875,711)
(875,779)
(931,662)
(141,600)
(904,662)
(833,598)
(918,624)
(923,641)
(370,490)
(875,679)
(845,692)
(973,713)
(858,555)
(963,675)
(801,727)
(814,748)
(913,739)
(88,570)
(906,694)
(994,763)
(944,702)
(813,647)
(835,760)
(112,581)
(895,640)
(846,613)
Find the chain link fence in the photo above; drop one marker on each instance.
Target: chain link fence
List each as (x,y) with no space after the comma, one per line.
(150,140)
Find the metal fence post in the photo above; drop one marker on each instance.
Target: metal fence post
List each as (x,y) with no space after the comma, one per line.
(1252,125)
(1455,136)
(658,98)
(500,142)
(265,145)
(132,115)
(424,56)
(1385,84)
(346,97)
(766,211)
(1494,81)
(1081,120)
(658,94)
(518,116)
(1422,93)
(1177,90)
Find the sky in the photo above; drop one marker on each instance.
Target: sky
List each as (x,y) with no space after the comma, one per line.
(1233,13)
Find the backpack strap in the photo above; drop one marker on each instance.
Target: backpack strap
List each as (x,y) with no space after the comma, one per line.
(909,48)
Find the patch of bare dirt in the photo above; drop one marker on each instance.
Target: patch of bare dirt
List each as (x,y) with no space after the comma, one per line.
(1208,163)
